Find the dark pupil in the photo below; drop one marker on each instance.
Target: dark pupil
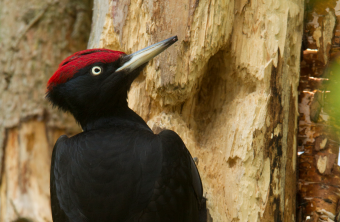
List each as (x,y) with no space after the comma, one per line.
(96,70)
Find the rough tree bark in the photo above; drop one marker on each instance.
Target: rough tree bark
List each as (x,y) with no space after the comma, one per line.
(228,87)
(319,174)
(35,36)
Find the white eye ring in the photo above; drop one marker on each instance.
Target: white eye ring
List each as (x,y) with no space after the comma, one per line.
(96,70)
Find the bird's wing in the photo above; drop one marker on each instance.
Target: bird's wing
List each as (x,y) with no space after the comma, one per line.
(171,139)
(64,201)
(109,175)
(104,174)
(178,189)
(58,214)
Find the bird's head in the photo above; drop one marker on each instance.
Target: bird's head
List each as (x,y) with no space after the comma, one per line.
(93,83)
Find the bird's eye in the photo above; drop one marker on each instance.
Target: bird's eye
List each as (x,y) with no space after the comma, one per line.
(96,70)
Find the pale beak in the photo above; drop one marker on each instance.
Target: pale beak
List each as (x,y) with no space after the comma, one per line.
(143,56)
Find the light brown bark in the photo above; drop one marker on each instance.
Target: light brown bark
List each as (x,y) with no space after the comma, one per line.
(35,36)
(228,88)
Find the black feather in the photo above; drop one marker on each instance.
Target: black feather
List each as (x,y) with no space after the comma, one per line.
(124,172)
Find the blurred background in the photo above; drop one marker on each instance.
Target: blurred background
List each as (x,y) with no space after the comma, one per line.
(35,36)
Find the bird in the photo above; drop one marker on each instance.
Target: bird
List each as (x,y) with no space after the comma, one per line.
(117,168)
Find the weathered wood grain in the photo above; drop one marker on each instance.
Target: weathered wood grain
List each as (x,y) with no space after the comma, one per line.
(228,87)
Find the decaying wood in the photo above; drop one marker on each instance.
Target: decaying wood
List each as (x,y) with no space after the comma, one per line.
(228,88)
(24,185)
(35,36)
(318,138)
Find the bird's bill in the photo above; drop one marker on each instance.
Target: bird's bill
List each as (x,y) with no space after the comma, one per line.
(141,57)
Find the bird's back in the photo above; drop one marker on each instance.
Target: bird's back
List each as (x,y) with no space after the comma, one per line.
(123,173)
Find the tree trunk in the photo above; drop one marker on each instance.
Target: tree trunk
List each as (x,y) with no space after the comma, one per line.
(228,88)
(319,173)
(35,36)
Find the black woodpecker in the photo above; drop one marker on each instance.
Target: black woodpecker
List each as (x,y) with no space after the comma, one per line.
(117,169)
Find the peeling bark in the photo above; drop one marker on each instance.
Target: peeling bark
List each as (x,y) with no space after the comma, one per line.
(318,138)
(228,88)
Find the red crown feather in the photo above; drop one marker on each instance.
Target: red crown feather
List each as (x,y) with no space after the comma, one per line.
(72,64)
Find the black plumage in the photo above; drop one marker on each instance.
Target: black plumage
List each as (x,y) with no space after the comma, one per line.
(117,169)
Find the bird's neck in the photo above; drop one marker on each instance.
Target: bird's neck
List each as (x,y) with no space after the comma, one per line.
(122,117)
